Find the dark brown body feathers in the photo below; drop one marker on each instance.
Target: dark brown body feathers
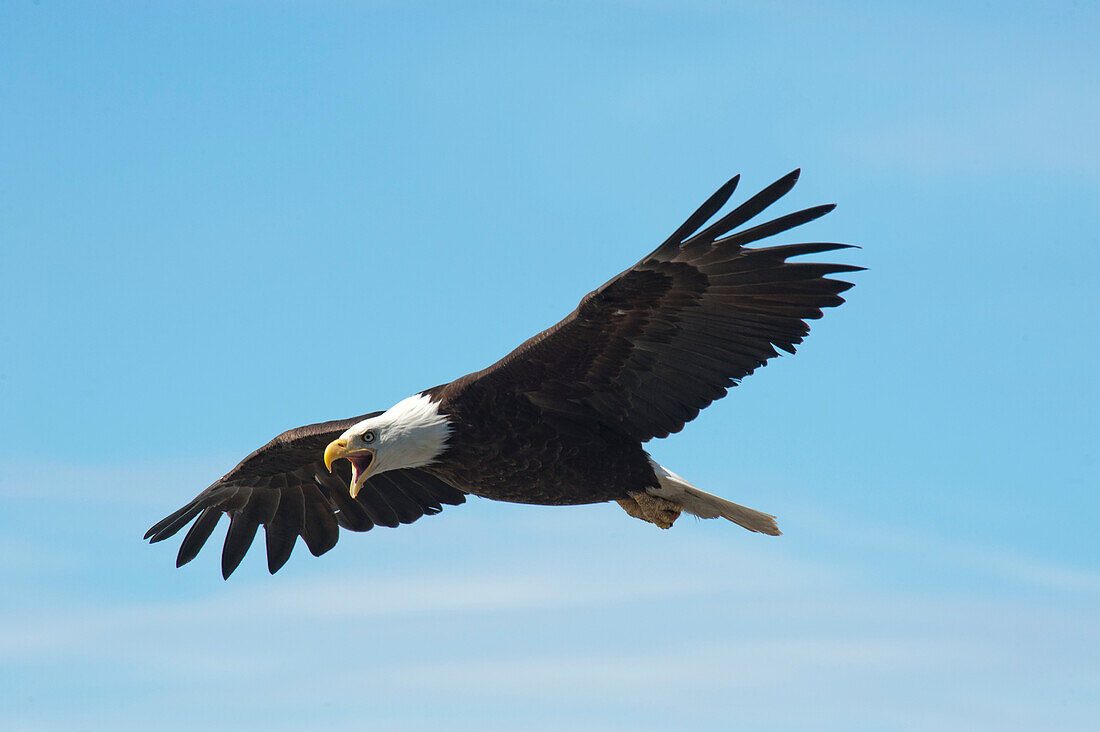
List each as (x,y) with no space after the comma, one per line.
(536,457)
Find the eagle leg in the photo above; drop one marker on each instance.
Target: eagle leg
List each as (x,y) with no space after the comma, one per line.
(649,508)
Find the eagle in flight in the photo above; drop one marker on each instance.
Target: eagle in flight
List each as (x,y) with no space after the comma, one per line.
(562,418)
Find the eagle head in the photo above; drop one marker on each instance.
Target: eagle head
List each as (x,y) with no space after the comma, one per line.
(410,434)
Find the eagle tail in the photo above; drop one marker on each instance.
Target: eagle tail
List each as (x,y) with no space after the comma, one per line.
(705,505)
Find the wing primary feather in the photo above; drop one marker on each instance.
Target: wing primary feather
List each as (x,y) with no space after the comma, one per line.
(747,210)
(319,528)
(169,525)
(795,250)
(791,271)
(729,259)
(775,226)
(282,531)
(197,535)
(242,530)
(710,207)
(260,507)
(280,544)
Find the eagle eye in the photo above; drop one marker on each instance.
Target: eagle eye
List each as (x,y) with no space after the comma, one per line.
(367,437)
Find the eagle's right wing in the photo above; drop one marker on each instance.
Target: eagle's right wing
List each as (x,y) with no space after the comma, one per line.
(285,487)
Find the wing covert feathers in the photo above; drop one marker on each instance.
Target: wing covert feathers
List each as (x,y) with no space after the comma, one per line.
(285,488)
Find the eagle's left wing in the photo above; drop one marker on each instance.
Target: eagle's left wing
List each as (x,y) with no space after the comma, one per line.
(650,348)
(285,487)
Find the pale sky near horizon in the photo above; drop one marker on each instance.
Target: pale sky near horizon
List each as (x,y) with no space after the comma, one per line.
(222,220)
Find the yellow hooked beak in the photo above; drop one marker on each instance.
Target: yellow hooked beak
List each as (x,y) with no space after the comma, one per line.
(361,460)
(336,449)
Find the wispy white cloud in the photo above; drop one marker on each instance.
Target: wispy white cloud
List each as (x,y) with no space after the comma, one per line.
(691,649)
(947,551)
(349,598)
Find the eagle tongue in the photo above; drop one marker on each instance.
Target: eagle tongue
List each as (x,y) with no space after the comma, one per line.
(359,464)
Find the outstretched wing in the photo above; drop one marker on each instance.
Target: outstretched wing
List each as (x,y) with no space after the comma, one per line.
(285,487)
(650,348)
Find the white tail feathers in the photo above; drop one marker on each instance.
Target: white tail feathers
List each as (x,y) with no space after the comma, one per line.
(704,505)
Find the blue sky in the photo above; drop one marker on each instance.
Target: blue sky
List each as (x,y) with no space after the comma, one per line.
(222,220)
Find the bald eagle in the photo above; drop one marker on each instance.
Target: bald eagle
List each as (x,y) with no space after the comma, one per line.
(559,420)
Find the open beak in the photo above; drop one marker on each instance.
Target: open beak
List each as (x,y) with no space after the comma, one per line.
(361,462)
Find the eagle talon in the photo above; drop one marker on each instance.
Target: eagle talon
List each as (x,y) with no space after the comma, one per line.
(652,509)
